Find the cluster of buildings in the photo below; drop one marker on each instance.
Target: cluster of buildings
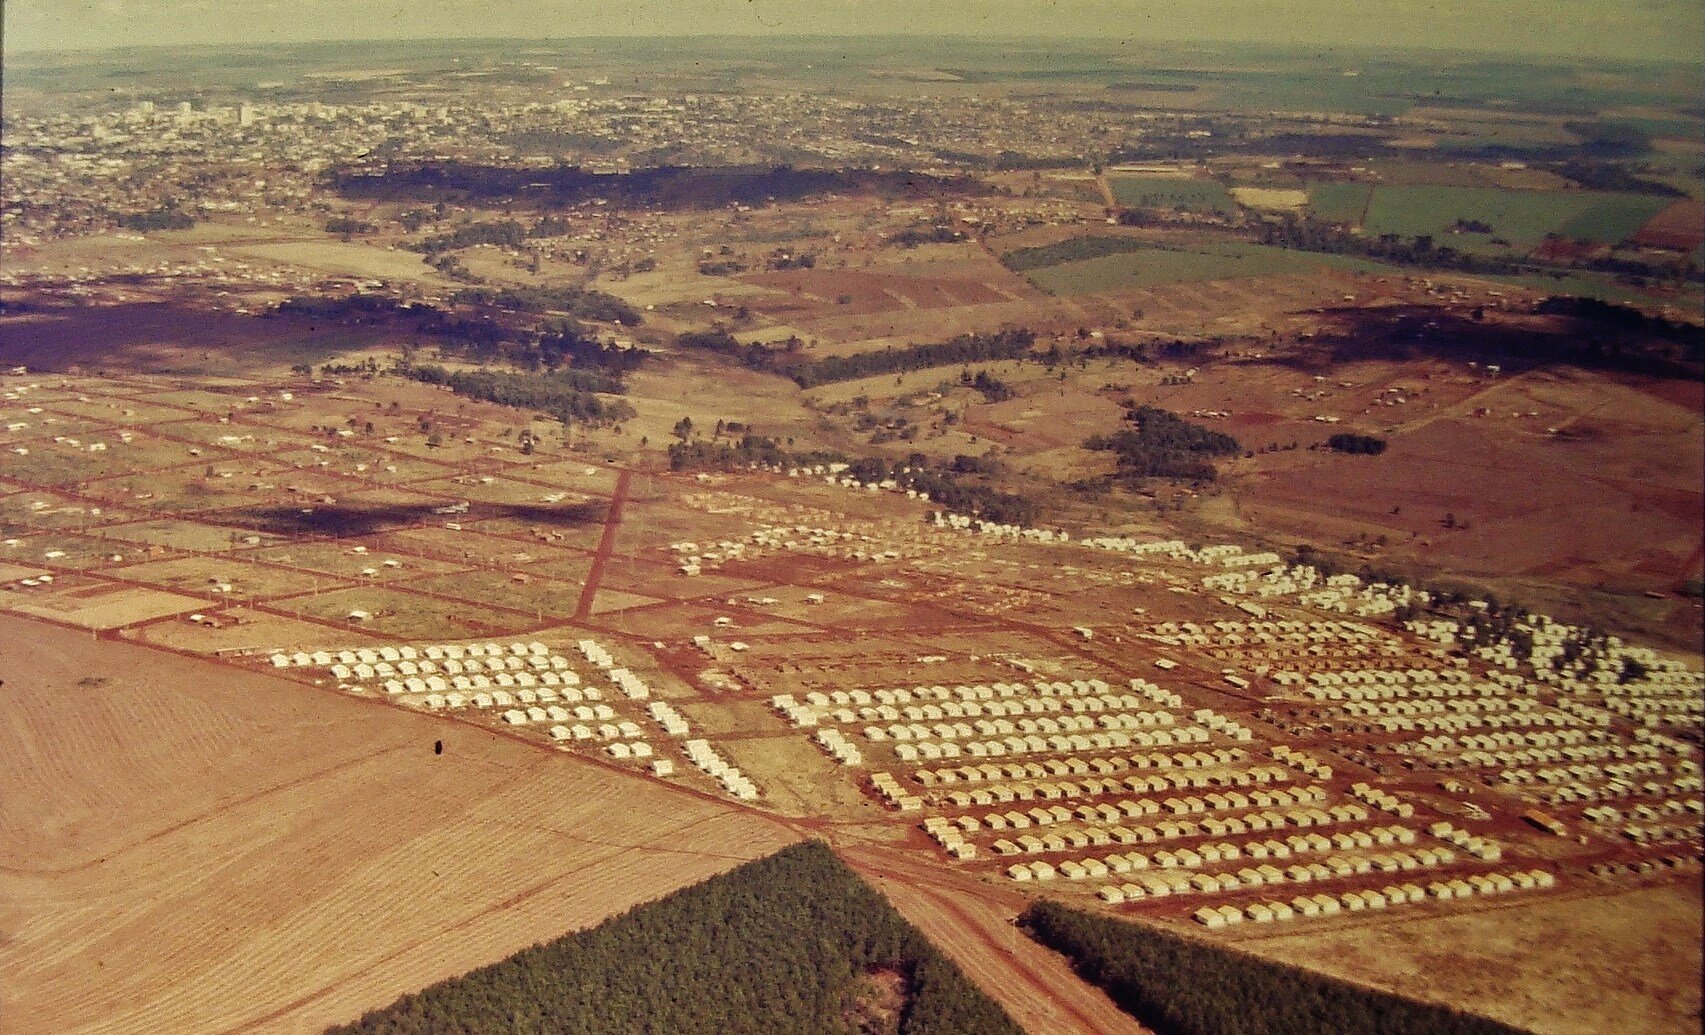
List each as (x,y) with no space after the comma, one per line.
(529,685)
(73,172)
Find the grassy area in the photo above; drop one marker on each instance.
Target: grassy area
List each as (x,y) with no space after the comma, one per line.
(1521,217)
(1338,202)
(1073,249)
(1174,192)
(1590,285)
(1154,267)
(404,614)
(1616,218)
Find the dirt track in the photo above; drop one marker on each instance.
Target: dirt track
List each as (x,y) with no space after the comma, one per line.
(974,927)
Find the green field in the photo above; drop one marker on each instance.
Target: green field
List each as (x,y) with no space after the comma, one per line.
(1522,217)
(1153,267)
(1338,202)
(1174,192)
(1073,249)
(1616,218)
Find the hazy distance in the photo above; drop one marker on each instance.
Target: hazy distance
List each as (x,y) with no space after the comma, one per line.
(1614,29)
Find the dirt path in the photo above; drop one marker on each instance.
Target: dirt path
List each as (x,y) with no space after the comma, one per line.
(606,545)
(973,926)
(1106,190)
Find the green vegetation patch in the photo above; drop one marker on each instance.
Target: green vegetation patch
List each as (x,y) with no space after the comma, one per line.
(567,395)
(1155,266)
(1013,343)
(1367,445)
(1615,218)
(1182,986)
(1182,194)
(1074,249)
(791,943)
(1338,202)
(1161,444)
(1521,217)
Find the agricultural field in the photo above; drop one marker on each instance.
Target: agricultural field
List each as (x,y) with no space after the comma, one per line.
(492,835)
(1181,193)
(1522,218)
(1597,992)
(1159,266)
(1680,226)
(1344,203)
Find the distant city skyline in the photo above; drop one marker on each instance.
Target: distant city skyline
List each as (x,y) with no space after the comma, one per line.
(1611,29)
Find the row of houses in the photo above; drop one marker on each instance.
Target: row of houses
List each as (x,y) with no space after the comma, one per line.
(1355,901)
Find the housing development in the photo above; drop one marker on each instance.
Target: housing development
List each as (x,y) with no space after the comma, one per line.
(1220,524)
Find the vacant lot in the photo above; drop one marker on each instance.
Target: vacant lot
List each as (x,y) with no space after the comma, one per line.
(97,604)
(189,847)
(355,260)
(407,615)
(1572,966)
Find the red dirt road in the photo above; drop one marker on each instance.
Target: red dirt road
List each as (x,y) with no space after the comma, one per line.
(606,544)
(973,926)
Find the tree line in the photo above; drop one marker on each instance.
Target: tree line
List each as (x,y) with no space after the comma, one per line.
(1178,985)
(779,946)
(1307,234)
(568,395)
(582,302)
(500,336)
(1348,442)
(167,217)
(1010,343)
(945,483)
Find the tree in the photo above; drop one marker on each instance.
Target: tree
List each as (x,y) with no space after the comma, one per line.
(684,428)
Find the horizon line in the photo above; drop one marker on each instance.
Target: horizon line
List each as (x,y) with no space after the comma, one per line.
(1525,56)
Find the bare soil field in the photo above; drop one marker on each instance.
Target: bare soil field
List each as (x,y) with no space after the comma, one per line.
(357,260)
(1570,966)
(810,291)
(193,847)
(1610,496)
(1680,227)
(98,604)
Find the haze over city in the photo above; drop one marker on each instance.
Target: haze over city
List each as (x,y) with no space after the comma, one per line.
(1623,29)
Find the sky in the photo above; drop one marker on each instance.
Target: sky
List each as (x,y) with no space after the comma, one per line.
(1617,29)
